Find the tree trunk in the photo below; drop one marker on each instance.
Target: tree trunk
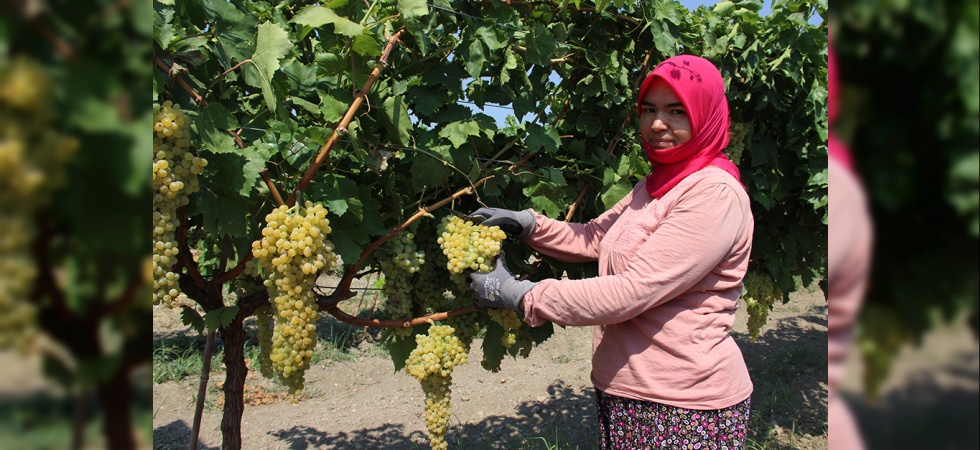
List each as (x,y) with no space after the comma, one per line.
(231,421)
(115,398)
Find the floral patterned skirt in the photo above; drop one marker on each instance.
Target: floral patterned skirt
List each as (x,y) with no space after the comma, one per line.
(627,424)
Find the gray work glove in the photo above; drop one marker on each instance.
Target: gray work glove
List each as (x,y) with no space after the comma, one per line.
(499,288)
(517,223)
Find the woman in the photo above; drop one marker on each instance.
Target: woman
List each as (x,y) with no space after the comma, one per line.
(849,251)
(672,255)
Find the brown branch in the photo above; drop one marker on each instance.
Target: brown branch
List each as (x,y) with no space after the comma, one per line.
(122,301)
(232,69)
(238,139)
(184,256)
(395,323)
(342,126)
(574,207)
(180,81)
(272,187)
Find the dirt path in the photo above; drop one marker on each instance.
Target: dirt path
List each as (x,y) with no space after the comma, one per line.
(363,404)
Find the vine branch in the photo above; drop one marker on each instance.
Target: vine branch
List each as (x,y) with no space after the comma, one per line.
(342,126)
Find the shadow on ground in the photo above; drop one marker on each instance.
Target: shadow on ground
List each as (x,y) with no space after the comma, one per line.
(566,418)
(937,409)
(788,366)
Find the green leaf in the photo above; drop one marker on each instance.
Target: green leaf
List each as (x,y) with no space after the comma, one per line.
(397,113)
(190,317)
(542,197)
(427,173)
(273,44)
(331,108)
(723,9)
(615,192)
(539,136)
(212,125)
(315,16)
(234,30)
(540,45)
(493,349)
(411,9)
(399,348)
(475,59)
(367,45)
(459,132)
(220,318)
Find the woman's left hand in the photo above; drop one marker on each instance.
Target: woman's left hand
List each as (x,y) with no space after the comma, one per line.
(499,288)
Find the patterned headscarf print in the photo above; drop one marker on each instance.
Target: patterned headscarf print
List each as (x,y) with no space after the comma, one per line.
(699,86)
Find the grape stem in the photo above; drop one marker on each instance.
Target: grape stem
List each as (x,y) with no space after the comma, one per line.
(341,128)
(180,81)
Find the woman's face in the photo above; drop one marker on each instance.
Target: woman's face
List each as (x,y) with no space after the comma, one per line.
(664,122)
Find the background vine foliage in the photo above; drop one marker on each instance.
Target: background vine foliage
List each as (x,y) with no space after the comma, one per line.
(266,84)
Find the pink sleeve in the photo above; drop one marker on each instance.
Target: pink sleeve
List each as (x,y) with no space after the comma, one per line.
(702,229)
(574,242)
(849,245)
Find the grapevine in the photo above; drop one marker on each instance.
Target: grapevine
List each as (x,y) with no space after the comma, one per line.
(32,165)
(175,176)
(760,294)
(292,251)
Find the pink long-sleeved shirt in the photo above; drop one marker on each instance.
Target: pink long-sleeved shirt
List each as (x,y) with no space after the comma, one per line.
(670,273)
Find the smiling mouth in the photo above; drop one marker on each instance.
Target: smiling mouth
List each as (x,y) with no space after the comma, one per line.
(661,143)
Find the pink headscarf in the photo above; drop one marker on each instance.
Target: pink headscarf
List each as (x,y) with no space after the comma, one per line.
(835,148)
(699,85)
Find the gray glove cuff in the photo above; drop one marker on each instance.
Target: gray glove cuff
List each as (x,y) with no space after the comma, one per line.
(514,292)
(528,221)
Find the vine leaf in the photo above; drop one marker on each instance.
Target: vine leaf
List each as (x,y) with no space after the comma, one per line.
(190,317)
(397,112)
(316,16)
(211,125)
(459,132)
(399,349)
(221,317)
(540,45)
(273,44)
(411,9)
(235,31)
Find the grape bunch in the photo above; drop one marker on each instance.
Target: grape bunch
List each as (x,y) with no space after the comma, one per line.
(510,321)
(737,136)
(175,177)
(33,156)
(432,363)
(292,251)
(760,293)
(468,246)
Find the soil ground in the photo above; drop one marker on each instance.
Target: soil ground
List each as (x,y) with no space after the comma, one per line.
(544,400)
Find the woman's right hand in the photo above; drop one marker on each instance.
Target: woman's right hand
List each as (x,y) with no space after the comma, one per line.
(519,223)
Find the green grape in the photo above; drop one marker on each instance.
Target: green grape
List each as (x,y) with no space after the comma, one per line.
(468,246)
(33,156)
(760,294)
(264,318)
(737,137)
(292,251)
(175,177)
(432,363)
